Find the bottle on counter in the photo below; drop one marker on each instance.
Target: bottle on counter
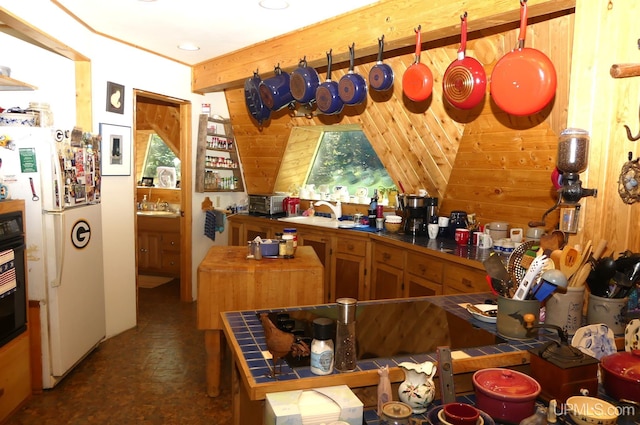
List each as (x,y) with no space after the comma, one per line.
(322,355)
(373,209)
(345,357)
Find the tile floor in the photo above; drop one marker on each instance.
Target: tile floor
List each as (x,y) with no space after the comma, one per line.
(152,374)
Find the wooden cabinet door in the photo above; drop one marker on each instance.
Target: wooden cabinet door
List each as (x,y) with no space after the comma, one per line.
(236,234)
(150,251)
(349,277)
(322,244)
(253,230)
(386,282)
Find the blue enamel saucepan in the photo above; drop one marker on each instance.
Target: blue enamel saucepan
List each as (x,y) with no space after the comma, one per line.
(304,82)
(275,91)
(381,74)
(258,110)
(327,97)
(353,87)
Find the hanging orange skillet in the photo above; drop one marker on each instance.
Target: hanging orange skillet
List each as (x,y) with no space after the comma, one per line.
(524,80)
(465,82)
(417,81)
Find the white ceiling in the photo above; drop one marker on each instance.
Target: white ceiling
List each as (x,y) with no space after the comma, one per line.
(217,26)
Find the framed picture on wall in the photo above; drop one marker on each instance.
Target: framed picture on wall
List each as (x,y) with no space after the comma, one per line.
(115,150)
(115,98)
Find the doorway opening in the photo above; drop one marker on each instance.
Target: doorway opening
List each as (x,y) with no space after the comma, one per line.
(163,242)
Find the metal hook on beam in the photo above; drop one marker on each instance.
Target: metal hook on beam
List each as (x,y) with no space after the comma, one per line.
(629,135)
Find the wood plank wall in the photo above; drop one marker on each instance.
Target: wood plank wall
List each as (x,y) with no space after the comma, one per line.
(480,160)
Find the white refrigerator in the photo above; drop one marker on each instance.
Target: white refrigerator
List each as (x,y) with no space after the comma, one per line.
(57,173)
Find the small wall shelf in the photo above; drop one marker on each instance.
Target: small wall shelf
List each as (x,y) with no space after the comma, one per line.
(11,84)
(217,161)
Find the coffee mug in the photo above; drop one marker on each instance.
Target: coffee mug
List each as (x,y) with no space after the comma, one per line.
(485,241)
(432,230)
(462,236)
(460,414)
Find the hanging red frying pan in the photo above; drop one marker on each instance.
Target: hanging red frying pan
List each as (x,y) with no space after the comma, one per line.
(417,81)
(464,84)
(524,80)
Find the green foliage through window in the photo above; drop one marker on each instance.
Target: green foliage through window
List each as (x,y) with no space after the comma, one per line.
(159,155)
(346,158)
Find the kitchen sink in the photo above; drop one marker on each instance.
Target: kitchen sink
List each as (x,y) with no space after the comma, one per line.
(158,213)
(313,221)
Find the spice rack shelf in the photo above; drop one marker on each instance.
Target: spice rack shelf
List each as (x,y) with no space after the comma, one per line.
(217,161)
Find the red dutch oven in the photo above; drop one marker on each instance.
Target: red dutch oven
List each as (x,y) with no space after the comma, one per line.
(465,82)
(327,97)
(506,395)
(524,80)
(621,375)
(417,81)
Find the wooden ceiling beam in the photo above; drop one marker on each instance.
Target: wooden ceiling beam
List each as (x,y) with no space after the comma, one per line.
(396,19)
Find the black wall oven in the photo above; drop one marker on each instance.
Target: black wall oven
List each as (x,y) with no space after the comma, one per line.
(13,300)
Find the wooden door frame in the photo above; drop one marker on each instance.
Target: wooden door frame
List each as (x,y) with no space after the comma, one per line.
(186,290)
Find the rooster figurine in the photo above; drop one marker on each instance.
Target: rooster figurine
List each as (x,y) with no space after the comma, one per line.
(280,343)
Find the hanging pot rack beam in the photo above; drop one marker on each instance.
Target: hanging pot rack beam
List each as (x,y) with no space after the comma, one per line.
(624,70)
(396,19)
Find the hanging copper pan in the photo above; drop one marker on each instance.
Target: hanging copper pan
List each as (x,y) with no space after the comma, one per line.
(464,84)
(524,80)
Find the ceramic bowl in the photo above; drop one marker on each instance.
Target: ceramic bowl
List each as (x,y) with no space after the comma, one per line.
(585,410)
(621,375)
(392,227)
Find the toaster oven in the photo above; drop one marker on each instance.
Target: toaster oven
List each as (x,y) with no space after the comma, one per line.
(266,204)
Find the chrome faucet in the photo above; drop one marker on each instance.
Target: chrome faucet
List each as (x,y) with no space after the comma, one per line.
(336,209)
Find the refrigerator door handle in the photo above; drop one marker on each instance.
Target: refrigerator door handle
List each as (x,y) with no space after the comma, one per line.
(60,242)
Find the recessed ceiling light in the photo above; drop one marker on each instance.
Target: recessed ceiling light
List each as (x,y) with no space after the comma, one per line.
(274,4)
(188,46)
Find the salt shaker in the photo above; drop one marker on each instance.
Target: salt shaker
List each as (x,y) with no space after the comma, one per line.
(345,357)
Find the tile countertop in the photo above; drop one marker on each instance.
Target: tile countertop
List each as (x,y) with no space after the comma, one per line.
(247,336)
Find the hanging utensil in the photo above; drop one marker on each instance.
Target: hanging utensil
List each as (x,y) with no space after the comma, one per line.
(465,82)
(524,80)
(34,196)
(417,81)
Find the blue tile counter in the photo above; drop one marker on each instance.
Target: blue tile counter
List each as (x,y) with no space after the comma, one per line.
(246,339)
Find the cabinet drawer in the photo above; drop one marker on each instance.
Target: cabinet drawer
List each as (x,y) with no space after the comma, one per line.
(389,255)
(425,266)
(170,262)
(351,246)
(465,279)
(171,241)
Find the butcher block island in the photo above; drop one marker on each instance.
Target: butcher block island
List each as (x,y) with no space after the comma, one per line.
(229,281)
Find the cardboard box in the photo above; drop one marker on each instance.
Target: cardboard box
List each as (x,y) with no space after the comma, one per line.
(315,406)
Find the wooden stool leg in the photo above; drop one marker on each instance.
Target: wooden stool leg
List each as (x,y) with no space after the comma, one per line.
(212,347)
